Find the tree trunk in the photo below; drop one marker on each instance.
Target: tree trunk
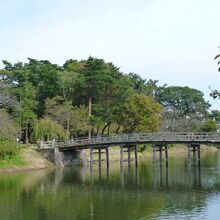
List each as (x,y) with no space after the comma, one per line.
(97,130)
(26,135)
(103,130)
(118,128)
(90,114)
(68,126)
(109,128)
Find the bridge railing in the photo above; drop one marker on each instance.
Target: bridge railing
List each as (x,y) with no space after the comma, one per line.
(142,137)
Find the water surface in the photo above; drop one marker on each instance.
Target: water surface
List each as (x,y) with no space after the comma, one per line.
(181,191)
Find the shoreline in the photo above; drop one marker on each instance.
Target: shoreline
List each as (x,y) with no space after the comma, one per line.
(20,170)
(35,161)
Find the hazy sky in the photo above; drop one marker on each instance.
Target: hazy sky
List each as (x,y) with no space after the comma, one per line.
(173,41)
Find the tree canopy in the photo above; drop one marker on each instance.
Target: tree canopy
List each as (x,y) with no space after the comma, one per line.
(89,97)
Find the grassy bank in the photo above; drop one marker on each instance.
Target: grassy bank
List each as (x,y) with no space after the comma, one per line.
(15,161)
(25,159)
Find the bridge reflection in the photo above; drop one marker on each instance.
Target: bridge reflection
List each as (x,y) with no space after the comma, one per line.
(143,176)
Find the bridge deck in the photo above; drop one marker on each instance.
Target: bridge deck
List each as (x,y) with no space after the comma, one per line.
(141,138)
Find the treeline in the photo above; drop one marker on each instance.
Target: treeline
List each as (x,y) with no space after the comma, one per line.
(41,100)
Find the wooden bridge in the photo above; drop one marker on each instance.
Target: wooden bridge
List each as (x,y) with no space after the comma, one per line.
(129,142)
(141,138)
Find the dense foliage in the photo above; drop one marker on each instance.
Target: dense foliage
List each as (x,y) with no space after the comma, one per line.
(89,97)
(8,149)
(8,134)
(209,126)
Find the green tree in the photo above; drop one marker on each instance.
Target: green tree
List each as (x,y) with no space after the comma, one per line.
(142,86)
(215,115)
(44,76)
(73,119)
(103,88)
(8,101)
(141,114)
(137,83)
(8,129)
(209,126)
(216,93)
(60,111)
(17,77)
(183,99)
(184,107)
(47,129)
(29,105)
(79,121)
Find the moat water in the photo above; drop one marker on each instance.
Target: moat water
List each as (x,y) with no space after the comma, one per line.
(148,191)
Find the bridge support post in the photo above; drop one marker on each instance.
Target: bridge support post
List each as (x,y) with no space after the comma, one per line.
(160,150)
(189,152)
(91,155)
(194,152)
(135,153)
(193,147)
(129,155)
(107,156)
(154,153)
(166,154)
(198,151)
(100,155)
(121,154)
(160,147)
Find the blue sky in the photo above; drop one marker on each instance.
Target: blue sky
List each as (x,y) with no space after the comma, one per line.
(173,41)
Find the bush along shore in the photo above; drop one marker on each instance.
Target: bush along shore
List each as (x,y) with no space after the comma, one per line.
(15,157)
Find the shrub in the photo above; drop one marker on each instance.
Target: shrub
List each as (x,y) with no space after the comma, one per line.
(209,126)
(8,149)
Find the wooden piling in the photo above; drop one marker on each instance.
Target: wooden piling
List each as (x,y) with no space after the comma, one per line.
(129,155)
(121,154)
(189,151)
(100,155)
(160,150)
(107,156)
(166,154)
(154,153)
(194,152)
(198,152)
(135,154)
(91,155)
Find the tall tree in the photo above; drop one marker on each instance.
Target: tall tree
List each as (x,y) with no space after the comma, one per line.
(141,114)
(103,88)
(47,129)
(44,77)
(216,93)
(8,129)
(183,99)
(18,78)
(73,119)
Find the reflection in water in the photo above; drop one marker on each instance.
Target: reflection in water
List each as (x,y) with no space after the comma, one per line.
(145,191)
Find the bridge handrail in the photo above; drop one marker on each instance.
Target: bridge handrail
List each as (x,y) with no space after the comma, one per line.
(136,137)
